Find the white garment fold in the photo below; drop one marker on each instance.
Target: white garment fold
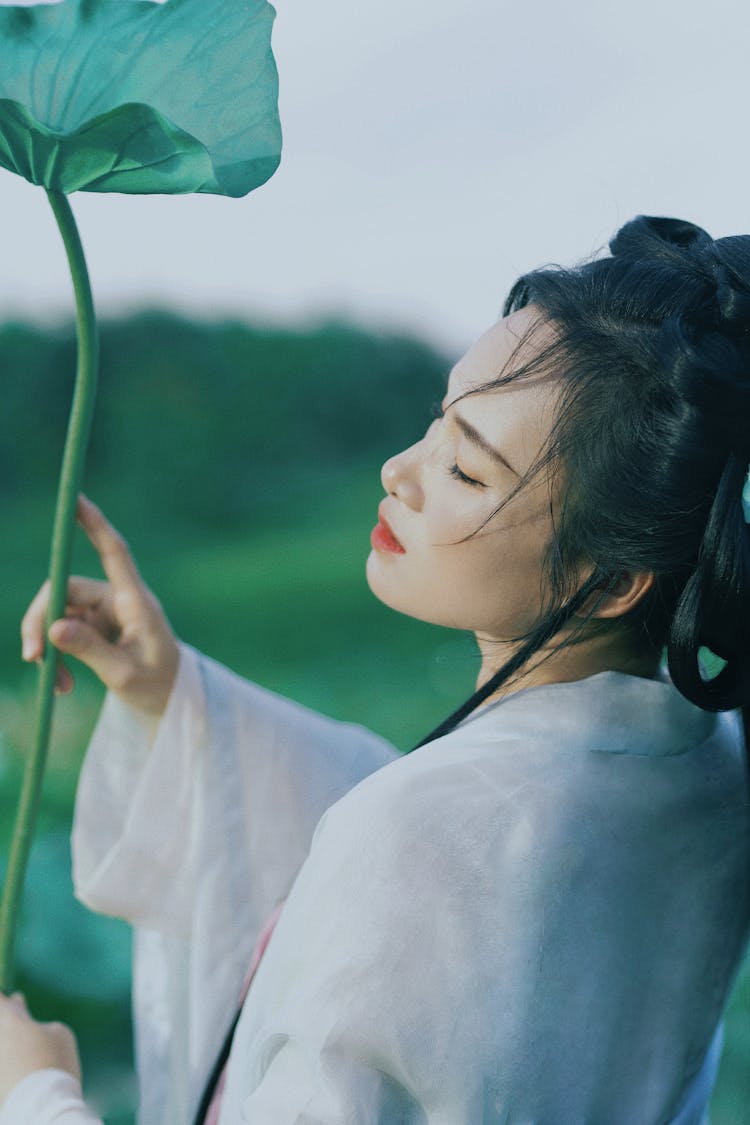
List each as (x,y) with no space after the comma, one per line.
(536,919)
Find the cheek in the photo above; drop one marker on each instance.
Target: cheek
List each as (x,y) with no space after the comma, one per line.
(454,514)
(489,583)
(492,583)
(457,586)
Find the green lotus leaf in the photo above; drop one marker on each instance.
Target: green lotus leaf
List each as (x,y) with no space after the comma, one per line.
(137,97)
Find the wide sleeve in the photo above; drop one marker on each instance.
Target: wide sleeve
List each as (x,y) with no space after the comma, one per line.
(193,833)
(47,1097)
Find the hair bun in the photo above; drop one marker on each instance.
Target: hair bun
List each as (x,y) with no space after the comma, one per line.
(657,239)
(723,266)
(709,371)
(732,257)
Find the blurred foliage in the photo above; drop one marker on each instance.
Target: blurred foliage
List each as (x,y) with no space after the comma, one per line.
(242,463)
(212,421)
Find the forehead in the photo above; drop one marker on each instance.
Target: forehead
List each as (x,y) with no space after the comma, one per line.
(499,349)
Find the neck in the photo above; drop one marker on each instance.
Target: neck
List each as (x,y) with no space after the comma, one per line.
(608,651)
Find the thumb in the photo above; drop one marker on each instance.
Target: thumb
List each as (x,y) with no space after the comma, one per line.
(79,639)
(19,1001)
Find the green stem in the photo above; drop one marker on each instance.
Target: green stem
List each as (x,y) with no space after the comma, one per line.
(71,474)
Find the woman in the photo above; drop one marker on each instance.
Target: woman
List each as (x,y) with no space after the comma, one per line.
(536,916)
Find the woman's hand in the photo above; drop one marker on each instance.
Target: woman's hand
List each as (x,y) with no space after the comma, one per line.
(26,1045)
(116,627)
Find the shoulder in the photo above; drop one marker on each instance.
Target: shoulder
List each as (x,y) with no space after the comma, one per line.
(593,773)
(461,804)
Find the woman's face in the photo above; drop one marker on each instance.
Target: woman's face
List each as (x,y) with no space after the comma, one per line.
(443,488)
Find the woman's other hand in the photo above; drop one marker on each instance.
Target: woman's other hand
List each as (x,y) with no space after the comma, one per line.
(116,627)
(26,1045)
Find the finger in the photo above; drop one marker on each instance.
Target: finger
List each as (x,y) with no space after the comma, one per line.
(112,549)
(64,682)
(83,594)
(86,592)
(32,626)
(76,637)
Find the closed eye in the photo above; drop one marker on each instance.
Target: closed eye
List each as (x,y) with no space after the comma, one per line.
(459,475)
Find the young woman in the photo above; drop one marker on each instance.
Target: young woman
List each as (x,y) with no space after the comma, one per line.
(538,914)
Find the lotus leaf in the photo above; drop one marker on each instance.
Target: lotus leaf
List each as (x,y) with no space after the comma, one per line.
(137,97)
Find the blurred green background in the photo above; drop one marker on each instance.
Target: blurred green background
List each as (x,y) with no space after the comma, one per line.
(242,464)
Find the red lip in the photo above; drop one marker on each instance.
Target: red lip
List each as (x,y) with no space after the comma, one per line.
(383,539)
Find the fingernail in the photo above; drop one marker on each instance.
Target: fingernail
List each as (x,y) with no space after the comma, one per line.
(27,650)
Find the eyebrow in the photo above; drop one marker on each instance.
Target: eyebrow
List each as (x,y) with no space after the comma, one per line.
(476,438)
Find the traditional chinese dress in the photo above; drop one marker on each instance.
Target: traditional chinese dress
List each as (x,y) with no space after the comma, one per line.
(534,919)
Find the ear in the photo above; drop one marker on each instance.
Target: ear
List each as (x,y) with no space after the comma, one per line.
(624,595)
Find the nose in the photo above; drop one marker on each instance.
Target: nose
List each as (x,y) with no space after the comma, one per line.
(400,477)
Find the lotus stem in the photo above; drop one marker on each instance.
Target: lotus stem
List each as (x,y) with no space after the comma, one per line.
(71,474)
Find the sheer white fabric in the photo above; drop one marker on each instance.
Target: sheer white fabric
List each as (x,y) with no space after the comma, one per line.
(47,1097)
(535,919)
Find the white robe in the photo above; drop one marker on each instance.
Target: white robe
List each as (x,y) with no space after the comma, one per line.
(535,919)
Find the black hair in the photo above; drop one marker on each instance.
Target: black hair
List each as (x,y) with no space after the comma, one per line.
(652,443)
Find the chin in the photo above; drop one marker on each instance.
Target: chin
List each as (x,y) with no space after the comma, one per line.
(390,588)
(385,585)
(376,580)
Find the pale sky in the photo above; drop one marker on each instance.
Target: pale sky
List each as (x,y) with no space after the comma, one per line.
(433,151)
